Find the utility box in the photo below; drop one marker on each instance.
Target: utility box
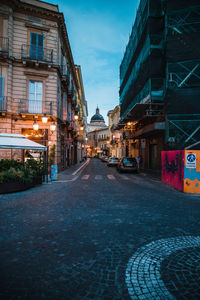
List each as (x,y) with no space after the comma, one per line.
(181,170)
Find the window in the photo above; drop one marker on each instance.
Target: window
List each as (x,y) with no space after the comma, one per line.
(36,46)
(1,92)
(35,97)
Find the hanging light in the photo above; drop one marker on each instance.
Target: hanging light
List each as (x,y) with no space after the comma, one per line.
(81,128)
(44,119)
(75,117)
(35,126)
(53,127)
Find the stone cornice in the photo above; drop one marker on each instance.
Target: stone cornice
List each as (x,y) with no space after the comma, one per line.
(30,25)
(38,74)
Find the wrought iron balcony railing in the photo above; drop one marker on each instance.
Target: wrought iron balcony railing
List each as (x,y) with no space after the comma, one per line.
(65,72)
(35,107)
(4,44)
(3,103)
(68,118)
(30,52)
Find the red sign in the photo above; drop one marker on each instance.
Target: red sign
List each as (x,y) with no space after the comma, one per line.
(70,140)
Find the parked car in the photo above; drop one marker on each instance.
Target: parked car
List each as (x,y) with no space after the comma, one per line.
(112,161)
(105,159)
(127,164)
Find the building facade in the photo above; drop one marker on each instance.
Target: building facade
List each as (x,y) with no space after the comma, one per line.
(116,143)
(82,112)
(160,80)
(97,135)
(38,79)
(96,122)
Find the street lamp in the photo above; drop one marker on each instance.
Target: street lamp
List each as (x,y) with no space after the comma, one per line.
(44,119)
(52,128)
(81,128)
(75,117)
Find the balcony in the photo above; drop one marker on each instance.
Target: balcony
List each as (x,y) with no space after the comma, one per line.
(65,73)
(68,118)
(35,107)
(4,45)
(3,103)
(33,53)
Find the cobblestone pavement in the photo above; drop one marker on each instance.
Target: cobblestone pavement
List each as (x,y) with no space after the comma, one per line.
(76,239)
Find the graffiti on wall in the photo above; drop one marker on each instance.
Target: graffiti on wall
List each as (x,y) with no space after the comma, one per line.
(173,168)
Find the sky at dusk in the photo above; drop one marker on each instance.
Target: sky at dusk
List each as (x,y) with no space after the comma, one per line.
(98,32)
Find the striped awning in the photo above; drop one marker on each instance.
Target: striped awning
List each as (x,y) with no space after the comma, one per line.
(19,141)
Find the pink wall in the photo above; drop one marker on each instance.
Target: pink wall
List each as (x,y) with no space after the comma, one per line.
(173,168)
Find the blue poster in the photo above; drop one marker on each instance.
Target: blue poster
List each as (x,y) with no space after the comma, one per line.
(54,172)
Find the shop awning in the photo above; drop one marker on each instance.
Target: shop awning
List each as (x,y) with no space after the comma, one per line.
(19,141)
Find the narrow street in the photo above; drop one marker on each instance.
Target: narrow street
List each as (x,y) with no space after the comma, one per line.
(91,238)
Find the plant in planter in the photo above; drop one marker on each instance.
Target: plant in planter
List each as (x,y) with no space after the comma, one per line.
(52,154)
(16,175)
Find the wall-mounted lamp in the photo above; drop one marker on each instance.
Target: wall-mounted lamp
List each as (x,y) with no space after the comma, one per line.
(53,127)
(35,126)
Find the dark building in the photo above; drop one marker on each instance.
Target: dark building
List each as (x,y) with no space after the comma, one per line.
(160,80)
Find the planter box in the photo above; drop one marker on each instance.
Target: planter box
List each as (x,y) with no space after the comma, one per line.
(13,187)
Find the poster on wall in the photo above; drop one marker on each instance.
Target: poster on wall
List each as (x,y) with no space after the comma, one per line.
(54,172)
(191,160)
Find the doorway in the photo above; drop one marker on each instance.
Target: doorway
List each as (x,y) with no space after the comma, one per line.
(153,151)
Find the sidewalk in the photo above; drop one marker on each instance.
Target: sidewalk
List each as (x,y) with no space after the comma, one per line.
(69,173)
(153,174)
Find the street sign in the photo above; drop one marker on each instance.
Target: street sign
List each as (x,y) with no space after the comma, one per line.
(191,160)
(70,140)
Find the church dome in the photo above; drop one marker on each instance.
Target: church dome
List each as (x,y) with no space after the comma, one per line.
(97,117)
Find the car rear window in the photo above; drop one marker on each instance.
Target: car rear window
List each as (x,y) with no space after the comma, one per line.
(129,159)
(114,158)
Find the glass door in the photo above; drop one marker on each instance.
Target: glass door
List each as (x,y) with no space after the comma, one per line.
(35,97)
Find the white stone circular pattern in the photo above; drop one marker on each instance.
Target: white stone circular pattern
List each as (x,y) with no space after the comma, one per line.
(143,276)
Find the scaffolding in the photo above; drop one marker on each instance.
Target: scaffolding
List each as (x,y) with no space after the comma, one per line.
(161,69)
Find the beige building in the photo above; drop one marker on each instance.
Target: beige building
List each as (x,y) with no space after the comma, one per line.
(115,135)
(97,122)
(82,112)
(38,78)
(97,135)
(98,142)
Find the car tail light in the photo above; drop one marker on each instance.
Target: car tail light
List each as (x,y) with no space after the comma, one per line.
(121,164)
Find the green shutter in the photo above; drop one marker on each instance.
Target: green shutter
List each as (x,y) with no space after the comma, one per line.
(1,91)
